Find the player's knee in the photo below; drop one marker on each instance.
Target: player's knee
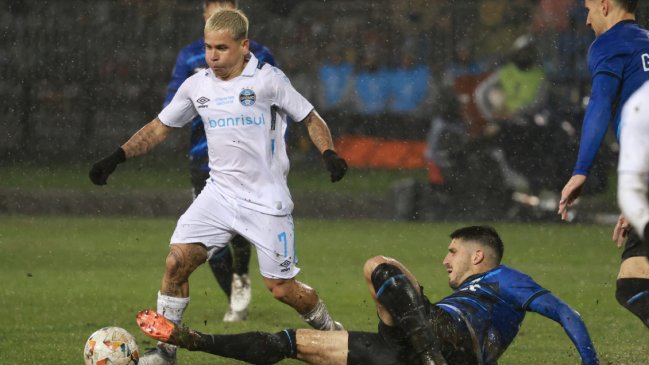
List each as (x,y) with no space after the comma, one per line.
(371,264)
(182,260)
(382,273)
(173,263)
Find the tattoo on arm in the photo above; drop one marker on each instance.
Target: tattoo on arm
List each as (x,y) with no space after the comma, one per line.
(144,140)
(318,132)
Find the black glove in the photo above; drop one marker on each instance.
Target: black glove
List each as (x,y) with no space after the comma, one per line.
(646,232)
(103,168)
(335,165)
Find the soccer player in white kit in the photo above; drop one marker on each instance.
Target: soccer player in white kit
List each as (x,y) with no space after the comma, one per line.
(244,104)
(633,172)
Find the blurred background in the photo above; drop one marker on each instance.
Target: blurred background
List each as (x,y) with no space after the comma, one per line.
(444,110)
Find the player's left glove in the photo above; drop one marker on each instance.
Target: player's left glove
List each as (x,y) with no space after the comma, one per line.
(103,168)
(335,165)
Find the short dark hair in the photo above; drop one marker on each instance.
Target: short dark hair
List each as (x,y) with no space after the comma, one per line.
(629,5)
(484,235)
(206,3)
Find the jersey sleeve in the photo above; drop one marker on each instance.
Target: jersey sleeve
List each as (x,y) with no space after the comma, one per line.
(289,99)
(181,109)
(522,290)
(179,74)
(555,309)
(596,121)
(603,58)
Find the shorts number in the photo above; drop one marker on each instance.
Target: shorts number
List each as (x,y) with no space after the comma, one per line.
(282,238)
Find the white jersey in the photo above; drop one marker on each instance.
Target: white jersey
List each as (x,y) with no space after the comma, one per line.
(245,122)
(633,166)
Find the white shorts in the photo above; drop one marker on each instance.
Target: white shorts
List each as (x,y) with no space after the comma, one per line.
(213,219)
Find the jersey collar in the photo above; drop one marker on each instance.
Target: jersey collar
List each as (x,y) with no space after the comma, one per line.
(250,68)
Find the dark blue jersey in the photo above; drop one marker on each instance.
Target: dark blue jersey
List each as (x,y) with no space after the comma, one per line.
(618,61)
(493,305)
(189,61)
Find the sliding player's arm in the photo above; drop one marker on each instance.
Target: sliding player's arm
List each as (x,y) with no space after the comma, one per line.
(554,308)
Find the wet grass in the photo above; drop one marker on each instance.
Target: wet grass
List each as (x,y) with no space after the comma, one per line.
(61,278)
(139,176)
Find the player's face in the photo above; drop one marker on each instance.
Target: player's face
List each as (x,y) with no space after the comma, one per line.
(458,262)
(224,55)
(595,18)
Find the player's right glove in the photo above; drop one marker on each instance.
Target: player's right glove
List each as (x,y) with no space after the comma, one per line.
(103,168)
(335,165)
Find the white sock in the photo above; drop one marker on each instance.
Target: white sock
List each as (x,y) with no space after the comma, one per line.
(319,317)
(172,308)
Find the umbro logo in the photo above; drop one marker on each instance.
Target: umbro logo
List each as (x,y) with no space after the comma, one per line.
(286,265)
(202,100)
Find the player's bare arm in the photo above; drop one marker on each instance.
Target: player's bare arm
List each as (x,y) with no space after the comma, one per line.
(318,131)
(321,138)
(140,143)
(144,140)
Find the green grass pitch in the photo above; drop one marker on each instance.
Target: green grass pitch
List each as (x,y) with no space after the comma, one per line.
(63,278)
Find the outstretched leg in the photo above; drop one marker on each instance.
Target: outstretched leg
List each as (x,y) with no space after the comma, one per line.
(305,301)
(173,296)
(401,304)
(252,347)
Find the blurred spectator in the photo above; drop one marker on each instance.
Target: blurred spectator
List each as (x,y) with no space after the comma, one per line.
(463,63)
(552,15)
(517,89)
(371,84)
(334,78)
(413,89)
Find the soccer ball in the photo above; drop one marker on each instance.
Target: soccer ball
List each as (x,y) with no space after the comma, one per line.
(111,346)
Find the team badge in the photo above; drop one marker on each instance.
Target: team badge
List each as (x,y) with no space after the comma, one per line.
(247,97)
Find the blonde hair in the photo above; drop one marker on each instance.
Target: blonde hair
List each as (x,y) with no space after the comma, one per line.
(232,20)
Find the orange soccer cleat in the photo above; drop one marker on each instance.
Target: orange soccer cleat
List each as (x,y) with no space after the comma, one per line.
(155,325)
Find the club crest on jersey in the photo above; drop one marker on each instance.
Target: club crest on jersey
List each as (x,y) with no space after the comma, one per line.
(247,97)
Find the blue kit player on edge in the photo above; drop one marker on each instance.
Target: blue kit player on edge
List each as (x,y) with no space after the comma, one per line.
(473,325)
(230,264)
(618,61)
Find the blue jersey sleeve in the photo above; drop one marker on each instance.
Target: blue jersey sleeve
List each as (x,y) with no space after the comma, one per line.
(599,114)
(552,307)
(182,70)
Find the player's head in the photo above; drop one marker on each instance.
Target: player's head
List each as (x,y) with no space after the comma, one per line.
(603,14)
(226,42)
(473,250)
(523,52)
(211,6)
(629,6)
